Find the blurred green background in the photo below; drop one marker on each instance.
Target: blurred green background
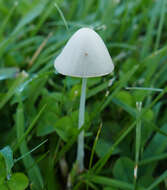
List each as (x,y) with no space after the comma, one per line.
(39,107)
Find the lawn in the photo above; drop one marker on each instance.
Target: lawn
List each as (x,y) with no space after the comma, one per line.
(125,115)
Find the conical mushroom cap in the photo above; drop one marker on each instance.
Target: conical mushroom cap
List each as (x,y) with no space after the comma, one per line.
(85,55)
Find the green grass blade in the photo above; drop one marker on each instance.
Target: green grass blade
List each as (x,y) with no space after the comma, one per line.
(99,165)
(149,35)
(34,173)
(110,182)
(30,127)
(99,88)
(29,17)
(62,15)
(119,85)
(138,142)
(43,18)
(7,19)
(23,156)
(143,88)
(161,23)
(12,90)
(158,181)
(94,146)
(153,159)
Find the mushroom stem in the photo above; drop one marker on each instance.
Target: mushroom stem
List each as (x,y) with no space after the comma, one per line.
(80,148)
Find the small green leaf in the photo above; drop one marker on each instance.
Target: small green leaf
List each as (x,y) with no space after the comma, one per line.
(7,153)
(123,169)
(18,181)
(103,146)
(66,126)
(145,180)
(125,97)
(149,115)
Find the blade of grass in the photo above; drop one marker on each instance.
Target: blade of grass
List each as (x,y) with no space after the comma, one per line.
(158,181)
(12,90)
(23,156)
(77,186)
(122,45)
(29,17)
(149,35)
(153,159)
(110,182)
(138,142)
(43,18)
(132,112)
(29,128)
(118,86)
(88,5)
(143,88)
(39,159)
(99,165)
(161,23)
(100,88)
(45,58)
(62,15)
(94,146)
(34,173)
(89,184)
(7,19)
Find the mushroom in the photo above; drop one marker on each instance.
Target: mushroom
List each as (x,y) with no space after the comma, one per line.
(85,55)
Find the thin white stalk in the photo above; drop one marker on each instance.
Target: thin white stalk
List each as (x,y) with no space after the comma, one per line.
(80,148)
(138,143)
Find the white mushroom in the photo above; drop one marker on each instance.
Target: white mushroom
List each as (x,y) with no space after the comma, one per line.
(85,55)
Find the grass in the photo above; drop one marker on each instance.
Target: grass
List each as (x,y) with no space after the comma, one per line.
(37,104)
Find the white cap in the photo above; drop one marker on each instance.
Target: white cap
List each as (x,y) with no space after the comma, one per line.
(85,55)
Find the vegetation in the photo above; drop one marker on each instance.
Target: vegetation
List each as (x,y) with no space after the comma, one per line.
(126,123)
